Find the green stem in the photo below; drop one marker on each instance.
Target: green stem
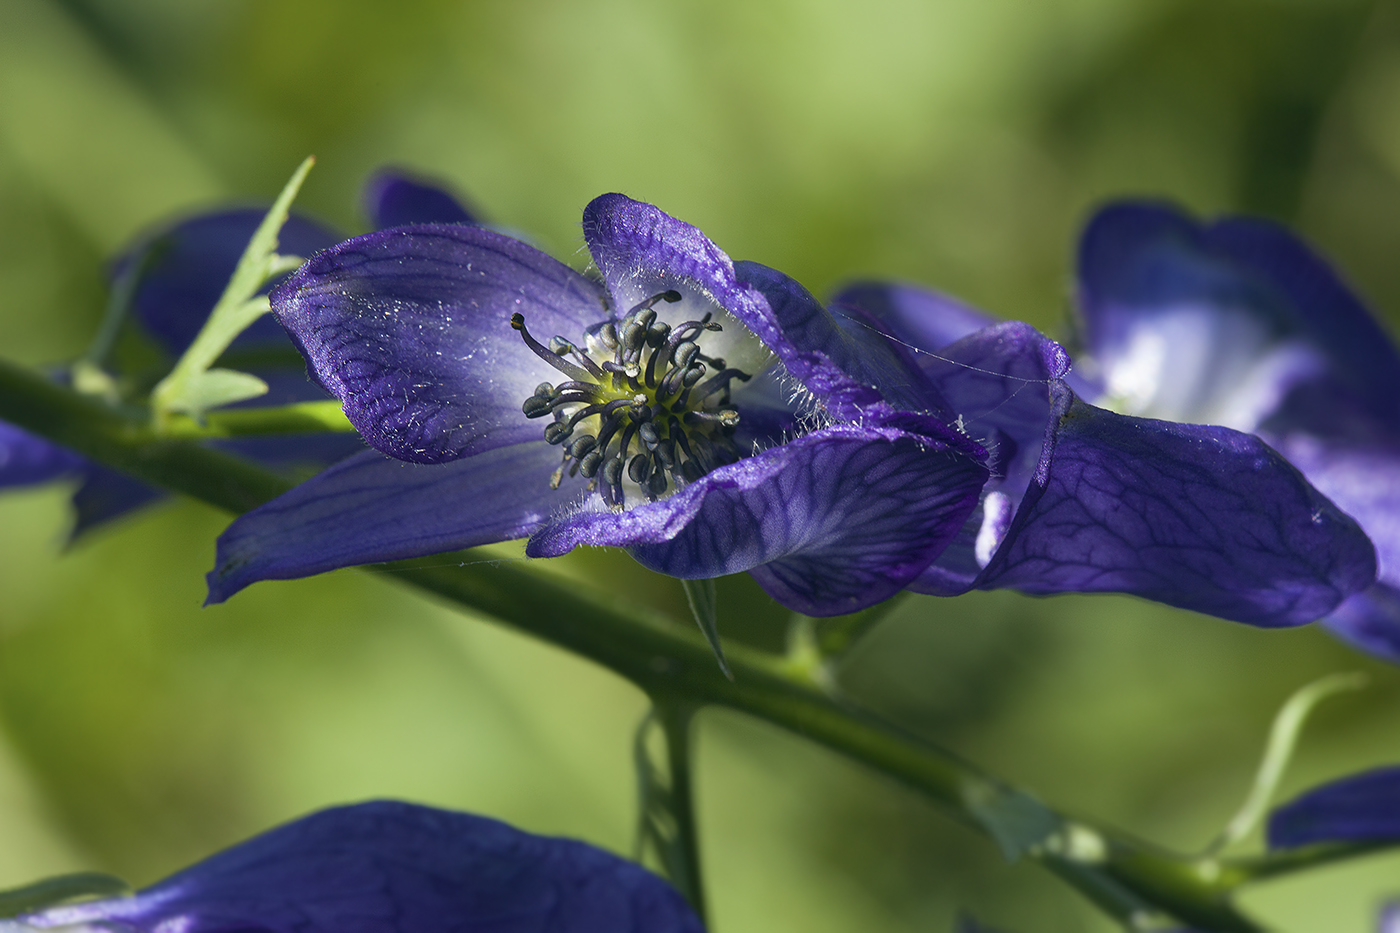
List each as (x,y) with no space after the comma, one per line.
(300,418)
(668,659)
(667,818)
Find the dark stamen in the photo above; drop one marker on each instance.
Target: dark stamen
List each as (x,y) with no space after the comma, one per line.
(517,321)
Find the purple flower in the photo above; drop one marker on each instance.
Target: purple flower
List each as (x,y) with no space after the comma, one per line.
(388,867)
(1087,500)
(692,410)
(184,270)
(1359,808)
(813,450)
(1238,323)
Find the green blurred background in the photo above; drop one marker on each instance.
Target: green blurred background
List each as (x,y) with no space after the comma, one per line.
(958,143)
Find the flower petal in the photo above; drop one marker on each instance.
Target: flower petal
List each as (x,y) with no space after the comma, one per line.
(1362,355)
(1180,328)
(828,523)
(999,382)
(394,197)
(410,329)
(105,495)
(188,266)
(370,508)
(920,317)
(1359,476)
(853,342)
(1370,621)
(1361,807)
(26,458)
(386,867)
(643,251)
(1200,517)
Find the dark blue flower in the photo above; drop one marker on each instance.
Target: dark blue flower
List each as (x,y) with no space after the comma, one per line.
(1236,322)
(1360,808)
(183,271)
(688,408)
(388,867)
(824,462)
(1087,500)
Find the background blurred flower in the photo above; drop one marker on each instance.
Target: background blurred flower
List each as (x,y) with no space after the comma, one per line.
(393,867)
(181,272)
(1237,322)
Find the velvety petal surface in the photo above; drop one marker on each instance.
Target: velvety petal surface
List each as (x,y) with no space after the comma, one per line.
(188,266)
(394,197)
(387,867)
(371,508)
(828,523)
(410,329)
(1361,807)
(27,458)
(1200,517)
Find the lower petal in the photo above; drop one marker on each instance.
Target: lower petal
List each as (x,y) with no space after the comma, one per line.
(829,523)
(386,865)
(1199,517)
(371,508)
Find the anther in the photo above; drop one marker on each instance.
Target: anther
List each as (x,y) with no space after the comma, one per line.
(633,336)
(685,353)
(639,468)
(588,466)
(670,296)
(612,472)
(656,485)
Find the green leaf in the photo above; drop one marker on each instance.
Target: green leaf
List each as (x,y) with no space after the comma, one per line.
(704,606)
(186,389)
(59,889)
(215,387)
